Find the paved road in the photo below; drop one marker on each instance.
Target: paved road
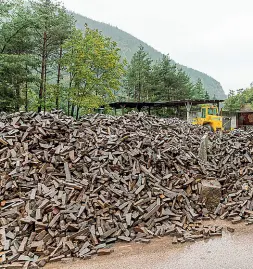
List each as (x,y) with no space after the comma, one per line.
(232,251)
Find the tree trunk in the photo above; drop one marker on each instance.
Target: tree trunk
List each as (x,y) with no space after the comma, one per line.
(72,110)
(77,112)
(43,64)
(26,96)
(139,84)
(169,93)
(139,81)
(68,107)
(45,87)
(58,80)
(26,90)
(70,86)
(17,105)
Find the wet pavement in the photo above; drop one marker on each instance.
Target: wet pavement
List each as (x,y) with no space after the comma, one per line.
(231,251)
(228,252)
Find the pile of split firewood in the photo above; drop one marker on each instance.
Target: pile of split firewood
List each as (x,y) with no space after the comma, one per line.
(73,188)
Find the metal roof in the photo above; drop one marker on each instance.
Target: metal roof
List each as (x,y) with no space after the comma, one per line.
(173,103)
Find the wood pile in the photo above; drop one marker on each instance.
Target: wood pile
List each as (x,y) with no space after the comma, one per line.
(230,161)
(72,189)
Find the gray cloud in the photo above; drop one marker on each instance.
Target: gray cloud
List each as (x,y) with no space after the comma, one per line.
(211,36)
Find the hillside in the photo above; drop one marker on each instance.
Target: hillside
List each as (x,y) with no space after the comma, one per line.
(129,45)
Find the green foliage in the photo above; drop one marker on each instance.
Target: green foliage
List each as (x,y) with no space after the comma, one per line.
(160,81)
(138,76)
(169,82)
(16,60)
(239,98)
(232,104)
(14,26)
(5,7)
(6,103)
(53,26)
(129,44)
(94,64)
(31,36)
(207,96)
(14,73)
(45,63)
(198,91)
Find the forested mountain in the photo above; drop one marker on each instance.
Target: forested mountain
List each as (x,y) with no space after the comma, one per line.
(129,45)
(47,63)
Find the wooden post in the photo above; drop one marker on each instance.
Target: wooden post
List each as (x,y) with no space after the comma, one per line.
(188,109)
(218,105)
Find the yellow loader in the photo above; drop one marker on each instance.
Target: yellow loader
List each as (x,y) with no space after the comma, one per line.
(211,118)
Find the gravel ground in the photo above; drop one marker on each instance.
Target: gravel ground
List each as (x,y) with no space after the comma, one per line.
(232,251)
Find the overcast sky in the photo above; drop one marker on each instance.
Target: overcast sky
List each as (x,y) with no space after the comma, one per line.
(212,36)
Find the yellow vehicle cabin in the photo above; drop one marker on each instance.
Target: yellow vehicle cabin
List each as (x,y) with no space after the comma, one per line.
(210,118)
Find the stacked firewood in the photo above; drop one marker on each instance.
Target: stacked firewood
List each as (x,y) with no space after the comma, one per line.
(73,188)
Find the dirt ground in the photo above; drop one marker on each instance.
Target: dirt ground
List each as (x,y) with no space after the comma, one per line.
(231,251)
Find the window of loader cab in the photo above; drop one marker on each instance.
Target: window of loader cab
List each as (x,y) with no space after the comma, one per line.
(212,111)
(203,112)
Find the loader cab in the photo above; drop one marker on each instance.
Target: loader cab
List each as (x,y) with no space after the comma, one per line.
(209,111)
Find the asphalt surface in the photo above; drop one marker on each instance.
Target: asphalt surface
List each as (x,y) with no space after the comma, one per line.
(231,251)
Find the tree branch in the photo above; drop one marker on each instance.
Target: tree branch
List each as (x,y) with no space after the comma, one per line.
(12,36)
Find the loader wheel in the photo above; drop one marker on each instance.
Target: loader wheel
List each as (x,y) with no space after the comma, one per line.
(210,128)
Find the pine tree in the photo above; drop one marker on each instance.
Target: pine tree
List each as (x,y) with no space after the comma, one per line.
(16,59)
(31,34)
(207,96)
(137,80)
(198,91)
(53,26)
(169,82)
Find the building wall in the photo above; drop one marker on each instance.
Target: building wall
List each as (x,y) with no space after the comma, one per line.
(233,122)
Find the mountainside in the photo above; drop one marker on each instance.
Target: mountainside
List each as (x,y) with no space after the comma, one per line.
(130,44)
